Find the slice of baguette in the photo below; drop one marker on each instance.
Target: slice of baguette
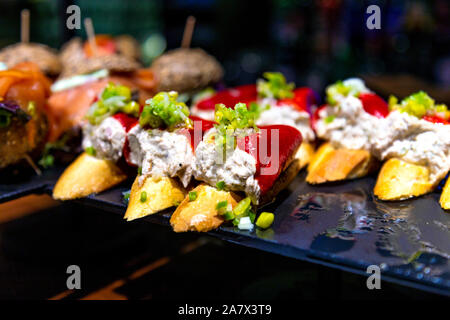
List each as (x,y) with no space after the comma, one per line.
(400,180)
(86,175)
(201,214)
(330,164)
(445,196)
(161,193)
(305,153)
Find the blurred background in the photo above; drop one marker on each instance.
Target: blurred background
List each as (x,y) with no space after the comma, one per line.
(314,42)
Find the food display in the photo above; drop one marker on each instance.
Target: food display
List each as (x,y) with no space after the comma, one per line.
(43,56)
(274,101)
(411,136)
(24,90)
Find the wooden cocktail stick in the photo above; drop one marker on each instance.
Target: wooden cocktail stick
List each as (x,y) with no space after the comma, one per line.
(25,26)
(188,31)
(91,34)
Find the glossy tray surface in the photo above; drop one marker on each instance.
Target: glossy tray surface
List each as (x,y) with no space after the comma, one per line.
(340,225)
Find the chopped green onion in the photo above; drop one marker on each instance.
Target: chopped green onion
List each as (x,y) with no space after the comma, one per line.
(228,215)
(164,109)
(329,119)
(419,105)
(236,222)
(265,220)
(113,99)
(143,196)
(245,224)
(47,161)
(220,185)
(192,196)
(229,120)
(349,87)
(126,195)
(91,151)
(221,207)
(275,86)
(241,209)
(139,170)
(252,216)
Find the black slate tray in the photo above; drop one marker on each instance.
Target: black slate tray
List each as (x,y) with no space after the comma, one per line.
(339,225)
(15,185)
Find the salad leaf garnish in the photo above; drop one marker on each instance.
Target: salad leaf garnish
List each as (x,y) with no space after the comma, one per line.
(275,86)
(164,110)
(113,99)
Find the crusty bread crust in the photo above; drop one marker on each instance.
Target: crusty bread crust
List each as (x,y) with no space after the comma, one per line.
(161,193)
(201,214)
(87,175)
(305,154)
(445,196)
(399,180)
(329,164)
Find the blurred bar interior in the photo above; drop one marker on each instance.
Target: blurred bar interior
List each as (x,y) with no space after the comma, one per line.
(312,42)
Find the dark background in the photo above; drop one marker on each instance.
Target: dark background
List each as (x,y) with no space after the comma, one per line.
(312,42)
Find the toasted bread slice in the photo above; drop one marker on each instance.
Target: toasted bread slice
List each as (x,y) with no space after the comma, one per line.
(400,180)
(330,164)
(86,175)
(160,193)
(445,196)
(201,214)
(305,153)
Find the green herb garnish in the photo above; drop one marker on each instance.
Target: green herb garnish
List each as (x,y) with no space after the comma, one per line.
(228,215)
(90,151)
(275,86)
(419,104)
(5,118)
(139,170)
(252,216)
(143,197)
(265,220)
(242,208)
(163,110)
(220,185)
(232,122)
(221,207)
(47,161)
(192,196)
(329,119)
(113,99)
(126,195)
(350,87)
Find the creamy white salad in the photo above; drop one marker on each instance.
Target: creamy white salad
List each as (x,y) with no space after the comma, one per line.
(285,114)
(161,153)
(237,171)
(107,138)
(399,135)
